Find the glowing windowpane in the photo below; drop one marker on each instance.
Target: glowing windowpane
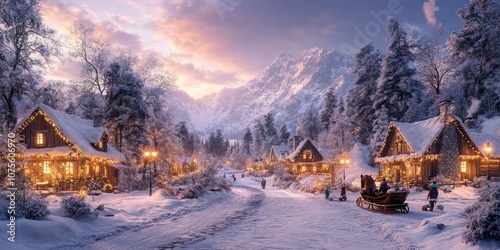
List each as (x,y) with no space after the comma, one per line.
(463,166)
(46,167)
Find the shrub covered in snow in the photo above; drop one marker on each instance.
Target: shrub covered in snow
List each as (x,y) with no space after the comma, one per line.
(75,206)
(483,217)
(480,181)
(36,208)
(192,191)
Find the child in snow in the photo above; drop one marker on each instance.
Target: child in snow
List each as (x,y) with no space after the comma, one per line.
(433,194)
(327,193)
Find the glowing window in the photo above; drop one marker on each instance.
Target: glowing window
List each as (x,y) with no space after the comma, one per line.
(46,167)
(304,168)
(69,168)
(308,155)
(315,168)
(463,166)
(39,139)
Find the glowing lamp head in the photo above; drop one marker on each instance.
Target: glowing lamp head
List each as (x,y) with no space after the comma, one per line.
(154,153)
(487,148)
(147,154)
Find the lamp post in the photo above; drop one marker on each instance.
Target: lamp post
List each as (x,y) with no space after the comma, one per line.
(344,162)
(487,148)
(147,155)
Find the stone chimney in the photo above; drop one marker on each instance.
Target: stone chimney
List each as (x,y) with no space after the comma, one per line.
(446,111)
(296,141)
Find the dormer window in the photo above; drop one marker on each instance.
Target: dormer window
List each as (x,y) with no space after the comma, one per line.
(40,140)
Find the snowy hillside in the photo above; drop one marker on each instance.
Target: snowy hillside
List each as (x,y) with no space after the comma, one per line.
(285,88)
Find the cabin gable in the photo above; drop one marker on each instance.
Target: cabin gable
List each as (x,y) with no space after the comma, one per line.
(395,144)
(39,133)
(308,153)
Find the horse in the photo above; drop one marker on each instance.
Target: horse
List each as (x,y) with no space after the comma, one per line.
(367,185)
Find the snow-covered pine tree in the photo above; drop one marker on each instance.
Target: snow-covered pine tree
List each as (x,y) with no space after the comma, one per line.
(360,98)
(260,138)
(125,111)
(340,133)
(284,135)
(309,124)
(247,141)
(476,48)
(271,133)
(398,93)
(397,86)
(329,105)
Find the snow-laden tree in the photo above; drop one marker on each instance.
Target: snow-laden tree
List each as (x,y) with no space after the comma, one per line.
(270,131)
(360,98)
(309,124)
(216,145)
(92,52)
(259,139)
(91,106)
(398,90)
(125,111)
(434,61)
(26,46)
(186,137)
(284,135)
(340,134)
(476,48)
(247,141)
(51,95)
(483,217)
(329,105)
(399,94)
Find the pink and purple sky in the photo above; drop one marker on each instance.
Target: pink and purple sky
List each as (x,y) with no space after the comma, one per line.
(212,44)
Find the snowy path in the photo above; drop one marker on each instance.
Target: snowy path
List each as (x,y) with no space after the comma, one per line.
(252,218)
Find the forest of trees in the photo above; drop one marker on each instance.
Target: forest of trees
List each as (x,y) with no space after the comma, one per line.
(126,93)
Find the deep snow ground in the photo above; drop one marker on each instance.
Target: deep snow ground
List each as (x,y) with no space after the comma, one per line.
(249,217)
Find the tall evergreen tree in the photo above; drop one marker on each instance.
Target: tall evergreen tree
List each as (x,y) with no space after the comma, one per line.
(397,92)
(329,105)
(247,141)
(309,124)
(476,48)
(284,134)
(360,98)
(260,138)
(125,111)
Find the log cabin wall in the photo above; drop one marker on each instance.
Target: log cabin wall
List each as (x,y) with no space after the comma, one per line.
(397,145)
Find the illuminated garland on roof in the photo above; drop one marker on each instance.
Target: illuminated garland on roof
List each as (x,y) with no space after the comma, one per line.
(49,121)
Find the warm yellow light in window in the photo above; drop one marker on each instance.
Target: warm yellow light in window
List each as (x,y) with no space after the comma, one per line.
(46,167)
(69,168)
(40,139)
(463,166)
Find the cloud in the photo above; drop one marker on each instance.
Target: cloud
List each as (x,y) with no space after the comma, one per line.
(430,8)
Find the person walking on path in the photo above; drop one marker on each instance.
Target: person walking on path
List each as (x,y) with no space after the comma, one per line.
(433,195)
(327,193)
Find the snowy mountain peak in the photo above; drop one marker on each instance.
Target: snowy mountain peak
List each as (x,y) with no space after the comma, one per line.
(285,88)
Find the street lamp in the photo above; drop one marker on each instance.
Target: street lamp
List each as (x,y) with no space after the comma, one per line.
(487,148)
(147,155)
(344,162)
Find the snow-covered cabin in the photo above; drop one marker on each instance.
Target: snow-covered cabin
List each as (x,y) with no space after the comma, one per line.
(303,158)
(420,150)
(64,151)
(187,164)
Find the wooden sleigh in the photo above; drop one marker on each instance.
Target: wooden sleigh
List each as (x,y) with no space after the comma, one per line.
(393,200)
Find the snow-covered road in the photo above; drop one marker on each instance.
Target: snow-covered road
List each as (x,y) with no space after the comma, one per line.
(253,218)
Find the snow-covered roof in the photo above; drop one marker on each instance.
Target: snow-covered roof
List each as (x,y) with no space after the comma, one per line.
(281,151)
(299,148)
(481,139)
(80,132)
(186,159)
(420,135)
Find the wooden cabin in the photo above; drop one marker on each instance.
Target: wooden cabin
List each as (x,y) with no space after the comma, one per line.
(64,151)
(419,150)
(305,158)
(185,165)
